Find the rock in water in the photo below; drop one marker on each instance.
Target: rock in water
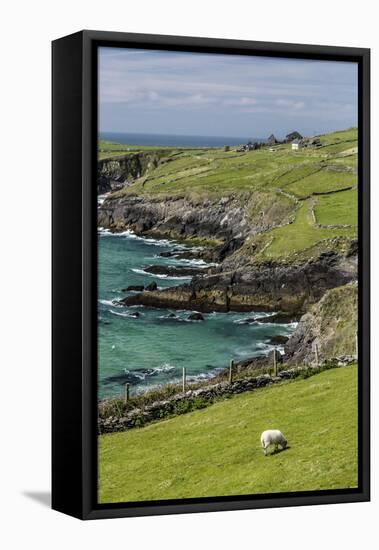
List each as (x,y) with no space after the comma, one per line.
(152,286)
(135,314)
(172,271)
(138,288)
(195,317)
(278,340)
(280,317)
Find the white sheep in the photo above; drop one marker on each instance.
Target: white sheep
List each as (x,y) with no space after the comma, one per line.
(272,437)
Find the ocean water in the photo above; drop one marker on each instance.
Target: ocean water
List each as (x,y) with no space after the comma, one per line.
(151,350)
(175,140)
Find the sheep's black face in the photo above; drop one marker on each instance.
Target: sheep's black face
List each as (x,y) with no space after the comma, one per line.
(284,444)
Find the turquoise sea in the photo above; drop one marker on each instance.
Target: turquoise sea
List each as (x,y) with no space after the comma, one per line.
(152,349)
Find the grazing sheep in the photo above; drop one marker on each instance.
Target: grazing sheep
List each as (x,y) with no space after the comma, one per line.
(272,437)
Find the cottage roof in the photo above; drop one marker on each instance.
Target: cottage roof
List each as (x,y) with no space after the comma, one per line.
(293,135)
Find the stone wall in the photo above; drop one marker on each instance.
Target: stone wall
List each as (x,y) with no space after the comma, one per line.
(199,398)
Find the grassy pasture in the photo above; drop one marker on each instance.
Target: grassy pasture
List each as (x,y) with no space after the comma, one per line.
(272,185)
(338,208)
(214,172)
(216,451)
(322,181)
(301,234)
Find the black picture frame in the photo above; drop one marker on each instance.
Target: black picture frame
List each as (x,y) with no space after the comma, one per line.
(74,271)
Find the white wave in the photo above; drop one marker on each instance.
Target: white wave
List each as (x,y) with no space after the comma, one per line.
(281,325)
(176,318)
(254,319)
(123,314)
(267,348)
(110,302)
(103,232)
(264,345)
(206,375)
(166,277)
(179,319)
(148,373)
(107,232)
(166,367)
(291,325)
(195,262)
(127,233)
(139,375)
(101,199)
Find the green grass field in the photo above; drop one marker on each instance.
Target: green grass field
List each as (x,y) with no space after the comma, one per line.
(277,184)
(338,208)
(216,451)
(303,233)
(214,172)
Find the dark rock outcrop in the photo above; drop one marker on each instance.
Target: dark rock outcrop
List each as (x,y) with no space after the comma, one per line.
(268,287)
(136,288)
(151,286)
(135,314)
(173,271)
(279,317)
(115,172)
(195,317)
(278,340)
(180,218)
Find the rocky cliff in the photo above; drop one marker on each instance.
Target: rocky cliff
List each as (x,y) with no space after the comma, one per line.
(282,233)
(178,218)
(116,172)
(331,324)
(239,283)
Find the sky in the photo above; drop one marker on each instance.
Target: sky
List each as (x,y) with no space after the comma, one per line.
(162,92)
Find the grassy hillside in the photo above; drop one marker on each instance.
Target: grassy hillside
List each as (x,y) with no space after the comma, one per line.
(111,150)
(216,451)
(304,192)
(334,321)
(304,234)
(214,172)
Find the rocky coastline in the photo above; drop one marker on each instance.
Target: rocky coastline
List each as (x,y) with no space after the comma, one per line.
(267,287)
(234,281)
(118,171)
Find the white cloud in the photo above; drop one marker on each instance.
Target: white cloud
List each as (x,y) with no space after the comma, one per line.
(290,103)
(176,82)
(241,101)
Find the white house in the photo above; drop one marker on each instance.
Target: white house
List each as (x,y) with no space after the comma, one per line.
(296,144)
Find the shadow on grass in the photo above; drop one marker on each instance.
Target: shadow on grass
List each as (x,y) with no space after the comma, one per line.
(274,452)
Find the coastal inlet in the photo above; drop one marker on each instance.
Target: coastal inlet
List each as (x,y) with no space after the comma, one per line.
(148,347)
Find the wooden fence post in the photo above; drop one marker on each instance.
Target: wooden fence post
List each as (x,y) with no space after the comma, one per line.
(275,364)
(231,371)
(126,394)
(184,379)
(316,355)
